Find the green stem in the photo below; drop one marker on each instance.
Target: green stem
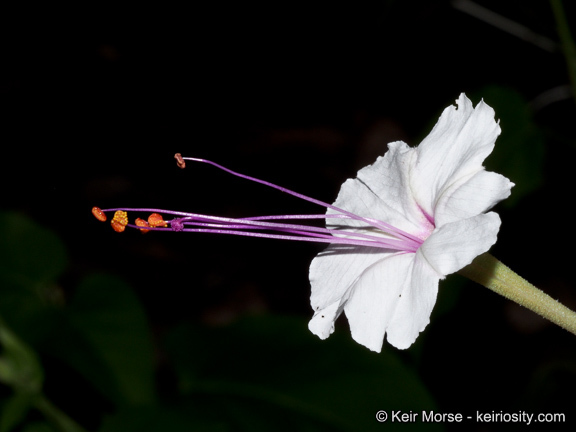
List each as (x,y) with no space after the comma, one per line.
(488,271)
(568,47)
(56,416)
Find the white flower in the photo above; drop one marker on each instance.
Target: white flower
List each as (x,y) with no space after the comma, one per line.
(437,195)
(407,221)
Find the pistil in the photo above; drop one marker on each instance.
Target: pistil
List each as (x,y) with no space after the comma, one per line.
(381,225)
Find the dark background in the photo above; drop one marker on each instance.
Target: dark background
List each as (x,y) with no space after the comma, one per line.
(97,99)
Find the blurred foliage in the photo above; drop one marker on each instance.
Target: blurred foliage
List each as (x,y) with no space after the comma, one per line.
(102,96)
(265,368)
(116,351)
(260,373)
(19,368)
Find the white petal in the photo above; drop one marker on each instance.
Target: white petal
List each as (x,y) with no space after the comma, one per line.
(322,323)
(393,294)
(412,313)
(453,246)
(382,191)
(471,196)
(374,299)
(456,148)
(333,273)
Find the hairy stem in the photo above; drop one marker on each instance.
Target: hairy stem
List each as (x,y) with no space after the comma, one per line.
(490,272)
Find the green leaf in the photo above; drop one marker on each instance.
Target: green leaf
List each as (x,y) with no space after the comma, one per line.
(29,254)
(14,411)
(19,368)
(19,365)
(270,373)
(31,258)
(108,340)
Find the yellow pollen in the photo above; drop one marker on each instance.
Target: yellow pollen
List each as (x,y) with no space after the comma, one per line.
(119,221)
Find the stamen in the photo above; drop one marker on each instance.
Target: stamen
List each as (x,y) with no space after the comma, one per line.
(331,240)
(99,214)
(142,223)
(119,221)
(373,222)
(385,236)
(155,220)
(253,227)
(315,239)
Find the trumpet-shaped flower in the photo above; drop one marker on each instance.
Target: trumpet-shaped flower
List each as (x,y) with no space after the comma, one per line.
(436,195)
(405,222)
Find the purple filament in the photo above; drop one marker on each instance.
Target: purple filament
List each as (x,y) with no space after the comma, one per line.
(376,223)
(253,227)
(258,225)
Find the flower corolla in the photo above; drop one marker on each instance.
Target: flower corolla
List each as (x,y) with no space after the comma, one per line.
(434,199)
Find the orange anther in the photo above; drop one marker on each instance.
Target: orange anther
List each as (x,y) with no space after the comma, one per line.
(119,221)
(155,220)
(98,214)
(142,223)
(180,161)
